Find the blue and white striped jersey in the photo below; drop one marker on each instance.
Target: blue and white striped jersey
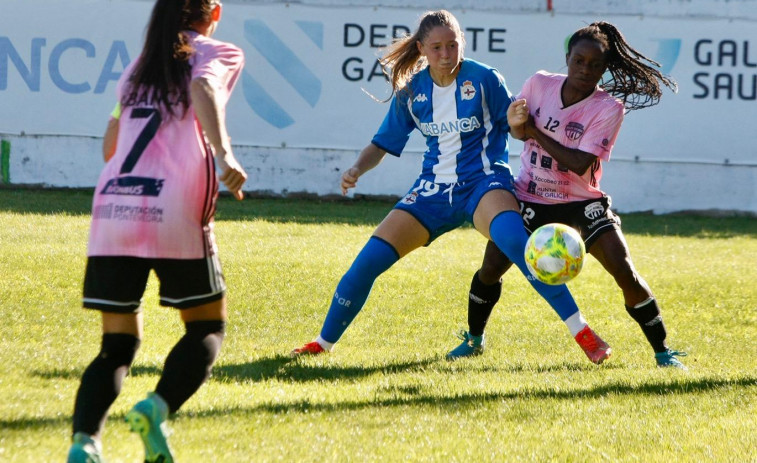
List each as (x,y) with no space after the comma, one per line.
(465,124)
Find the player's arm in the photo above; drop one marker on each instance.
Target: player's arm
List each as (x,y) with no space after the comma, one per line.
(573,159)
(369,157)
(111,133)
(213,124)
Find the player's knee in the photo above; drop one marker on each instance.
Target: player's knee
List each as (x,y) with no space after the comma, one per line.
(207,332)
(119,348)
(491,270)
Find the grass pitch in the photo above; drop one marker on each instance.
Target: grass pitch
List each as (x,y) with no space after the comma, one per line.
(386,393)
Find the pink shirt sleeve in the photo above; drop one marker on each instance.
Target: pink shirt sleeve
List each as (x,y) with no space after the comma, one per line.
(525,91)
(218,62)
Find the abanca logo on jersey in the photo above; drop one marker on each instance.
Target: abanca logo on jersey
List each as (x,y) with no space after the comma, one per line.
(463,125)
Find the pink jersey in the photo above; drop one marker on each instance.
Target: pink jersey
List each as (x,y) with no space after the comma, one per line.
(591,125)
(156,196)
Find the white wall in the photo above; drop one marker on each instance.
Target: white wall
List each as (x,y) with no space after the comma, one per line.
(684,154)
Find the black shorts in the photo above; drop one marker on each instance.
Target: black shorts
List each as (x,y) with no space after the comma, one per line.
(116,283)
(591,218)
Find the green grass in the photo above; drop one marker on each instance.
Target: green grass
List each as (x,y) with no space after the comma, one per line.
(386,393)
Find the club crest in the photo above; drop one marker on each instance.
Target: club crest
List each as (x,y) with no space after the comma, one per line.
(410,198)
(467,90)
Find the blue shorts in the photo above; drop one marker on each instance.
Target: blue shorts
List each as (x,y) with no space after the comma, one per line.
(441,207)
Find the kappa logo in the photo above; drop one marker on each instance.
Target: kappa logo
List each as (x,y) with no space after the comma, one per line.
(260,91)
(467,90)
(493,184)
(594,210)
(574,130)
(420,98)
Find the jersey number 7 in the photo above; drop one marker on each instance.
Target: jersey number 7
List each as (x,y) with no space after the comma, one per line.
(144,138)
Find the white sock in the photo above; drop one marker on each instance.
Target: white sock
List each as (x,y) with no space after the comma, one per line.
(325,344)
(576,323)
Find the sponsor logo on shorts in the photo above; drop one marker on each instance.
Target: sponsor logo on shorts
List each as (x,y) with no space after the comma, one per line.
(410,198)
(493,184)
(594,210)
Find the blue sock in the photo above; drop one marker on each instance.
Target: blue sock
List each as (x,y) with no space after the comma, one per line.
(353,289)
(508,234)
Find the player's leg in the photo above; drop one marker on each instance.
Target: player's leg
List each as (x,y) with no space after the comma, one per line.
(114,286)
(611,250)
(197,288)
(485,290)
(397,235)
(497,217)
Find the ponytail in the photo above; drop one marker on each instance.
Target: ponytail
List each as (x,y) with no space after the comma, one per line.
(162,74)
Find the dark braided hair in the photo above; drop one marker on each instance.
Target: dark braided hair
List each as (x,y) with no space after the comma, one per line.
(162,74)
(635,78)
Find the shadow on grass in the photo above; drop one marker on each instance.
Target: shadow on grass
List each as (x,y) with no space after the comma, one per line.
(404,396)
(414,395)
(75,373)
(285,368)
(288,369)
(363,211)
(279,367)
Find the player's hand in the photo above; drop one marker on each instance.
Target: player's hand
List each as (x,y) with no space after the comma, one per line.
(349,179)
(232,174)
(517,113)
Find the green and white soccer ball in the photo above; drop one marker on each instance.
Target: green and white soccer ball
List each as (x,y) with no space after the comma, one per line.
(555,253)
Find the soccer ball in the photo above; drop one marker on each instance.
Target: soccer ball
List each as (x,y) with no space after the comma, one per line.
(554,253)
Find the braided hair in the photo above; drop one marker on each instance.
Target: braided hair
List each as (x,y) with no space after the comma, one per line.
(635,79)
(162,74)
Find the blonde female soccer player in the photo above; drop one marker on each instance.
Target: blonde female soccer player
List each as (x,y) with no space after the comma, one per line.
(460,107)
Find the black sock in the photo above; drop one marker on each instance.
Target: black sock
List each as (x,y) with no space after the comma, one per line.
(481,301)
(101,382)
(190,361)
(649,319)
